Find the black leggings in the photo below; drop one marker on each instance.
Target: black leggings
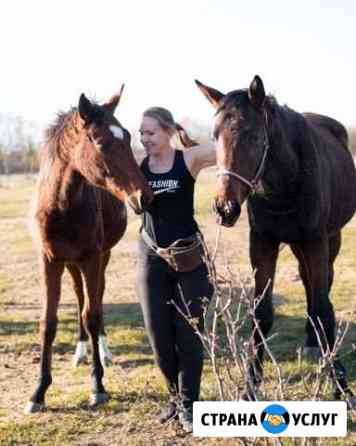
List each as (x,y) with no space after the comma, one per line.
(177,348)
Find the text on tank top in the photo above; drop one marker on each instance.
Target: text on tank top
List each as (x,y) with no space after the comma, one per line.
(171,214)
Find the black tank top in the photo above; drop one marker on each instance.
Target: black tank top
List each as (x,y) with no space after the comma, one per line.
(171,214)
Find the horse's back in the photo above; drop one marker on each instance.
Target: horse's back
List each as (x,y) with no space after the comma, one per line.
(331,125)
(337,167)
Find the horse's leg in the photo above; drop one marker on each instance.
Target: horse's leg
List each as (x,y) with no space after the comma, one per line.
(80,355)
(334,249)
(105,354)
(92,318)
(263,256)
(311,347)
(51,284)
(317,259)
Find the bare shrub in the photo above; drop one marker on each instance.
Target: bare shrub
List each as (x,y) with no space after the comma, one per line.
(230,324)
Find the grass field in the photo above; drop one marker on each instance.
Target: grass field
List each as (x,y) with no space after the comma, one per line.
(136,388)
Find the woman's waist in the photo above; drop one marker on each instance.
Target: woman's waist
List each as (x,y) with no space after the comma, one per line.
(164,235)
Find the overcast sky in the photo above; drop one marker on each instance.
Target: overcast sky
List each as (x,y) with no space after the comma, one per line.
(305,51)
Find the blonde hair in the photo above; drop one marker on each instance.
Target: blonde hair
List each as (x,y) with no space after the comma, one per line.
(166,121)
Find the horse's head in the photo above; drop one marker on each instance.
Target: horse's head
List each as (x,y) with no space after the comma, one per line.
(104,155)
(241,135)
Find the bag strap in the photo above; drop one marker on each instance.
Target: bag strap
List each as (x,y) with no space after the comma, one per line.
(149,242)
(161,252)
(167,252)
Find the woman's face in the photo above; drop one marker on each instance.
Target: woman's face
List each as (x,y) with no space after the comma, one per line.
(154,139)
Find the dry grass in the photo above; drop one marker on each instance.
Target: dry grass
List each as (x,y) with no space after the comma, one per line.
(136,387)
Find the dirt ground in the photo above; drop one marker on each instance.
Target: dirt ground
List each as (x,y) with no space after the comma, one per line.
(127,419)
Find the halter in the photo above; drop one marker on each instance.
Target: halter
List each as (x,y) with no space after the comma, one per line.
(253,184)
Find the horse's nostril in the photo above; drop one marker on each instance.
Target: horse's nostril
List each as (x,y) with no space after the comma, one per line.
(217,207)
(227,212)
(235,208)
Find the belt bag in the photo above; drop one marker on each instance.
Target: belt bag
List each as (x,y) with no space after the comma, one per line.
(184,255)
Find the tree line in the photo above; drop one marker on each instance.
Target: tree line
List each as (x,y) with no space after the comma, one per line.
(19,151)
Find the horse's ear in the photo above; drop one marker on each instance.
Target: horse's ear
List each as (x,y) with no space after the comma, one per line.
(256,92)
(212,95)
(113,102)
(85,108)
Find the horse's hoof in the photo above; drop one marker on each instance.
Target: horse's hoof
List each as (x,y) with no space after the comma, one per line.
(311,353)
(78,360)
(96,399)
(351,403)
(32,407)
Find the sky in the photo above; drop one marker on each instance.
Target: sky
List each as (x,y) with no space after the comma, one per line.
(51,52)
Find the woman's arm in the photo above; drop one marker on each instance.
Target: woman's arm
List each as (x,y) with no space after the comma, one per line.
(199,157)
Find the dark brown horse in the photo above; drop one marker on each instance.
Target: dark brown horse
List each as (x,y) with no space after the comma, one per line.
(87,172)
(298,177)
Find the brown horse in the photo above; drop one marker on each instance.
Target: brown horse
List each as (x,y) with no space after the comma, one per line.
(298,177)
(87,172)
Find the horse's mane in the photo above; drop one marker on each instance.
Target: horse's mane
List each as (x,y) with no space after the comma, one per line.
(240,98)
(236,98)
(53,134)
(63,120)
(55,129)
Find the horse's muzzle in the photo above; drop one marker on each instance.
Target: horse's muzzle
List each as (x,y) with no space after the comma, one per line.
(145,202)
(227,212)
(135,202)
(139,202)
(137,209)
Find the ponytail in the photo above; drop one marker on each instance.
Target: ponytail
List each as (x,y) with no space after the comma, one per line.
(184,137)
(166,121)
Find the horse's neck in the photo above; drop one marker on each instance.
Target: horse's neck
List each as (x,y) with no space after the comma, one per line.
(282,162)
(60,185)
(63,186)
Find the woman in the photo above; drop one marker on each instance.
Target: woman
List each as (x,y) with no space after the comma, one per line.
(170,217)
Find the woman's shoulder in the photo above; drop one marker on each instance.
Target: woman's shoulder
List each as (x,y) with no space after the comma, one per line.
(199,157)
